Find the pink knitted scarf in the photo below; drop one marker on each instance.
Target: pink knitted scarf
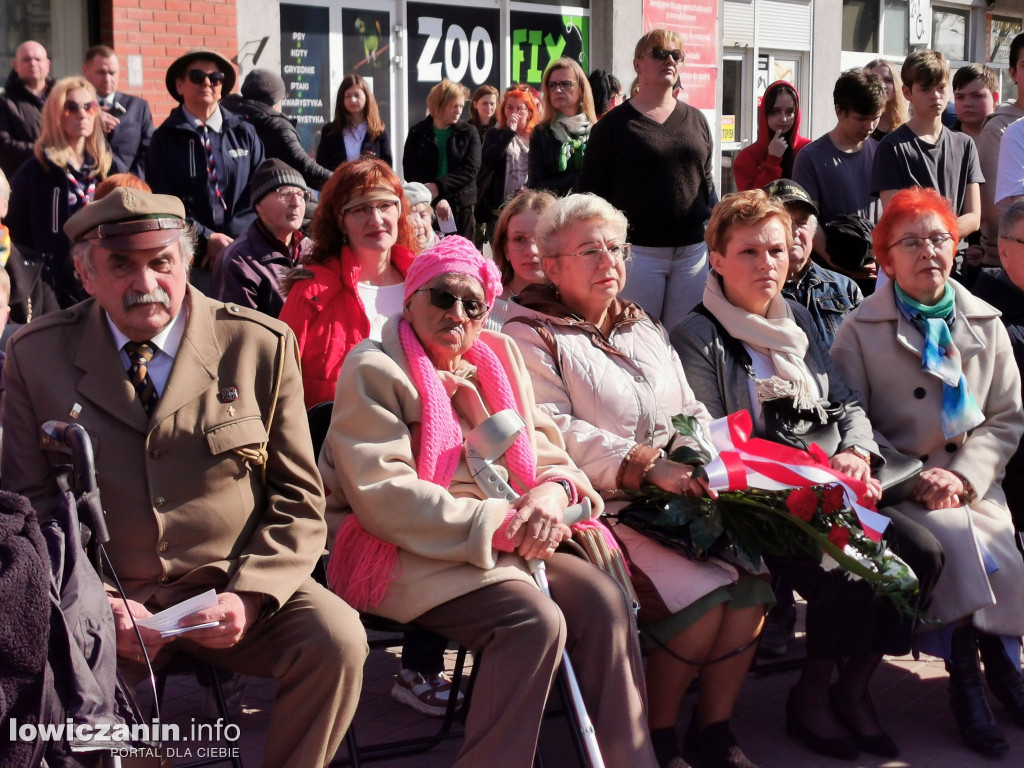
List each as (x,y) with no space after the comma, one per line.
(362,566)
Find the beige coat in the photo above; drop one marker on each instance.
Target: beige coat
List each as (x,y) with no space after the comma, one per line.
(185,512)
(878,351)
(443,535)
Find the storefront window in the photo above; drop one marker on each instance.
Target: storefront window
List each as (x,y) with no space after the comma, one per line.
(894,28)
(949,33)
(1001,31)
(860,25)
(23,20)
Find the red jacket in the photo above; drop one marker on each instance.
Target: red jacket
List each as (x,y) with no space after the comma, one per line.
(753,167)
(329,319)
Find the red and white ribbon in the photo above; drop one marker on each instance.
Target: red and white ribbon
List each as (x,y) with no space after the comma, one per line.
(751,462)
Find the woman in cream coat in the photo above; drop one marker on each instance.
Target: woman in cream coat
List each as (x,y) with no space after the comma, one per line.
(879,350)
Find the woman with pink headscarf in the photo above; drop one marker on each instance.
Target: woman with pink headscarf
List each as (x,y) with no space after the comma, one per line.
(421,542)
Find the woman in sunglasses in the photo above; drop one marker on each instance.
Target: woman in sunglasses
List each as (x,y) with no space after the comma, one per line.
(205,155)
(71,157)
(652,158)
(609,378)
(559,141)
(422,542)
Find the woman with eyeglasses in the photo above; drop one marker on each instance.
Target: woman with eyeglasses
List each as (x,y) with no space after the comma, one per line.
(559,142)
(421,541)
(71,156)
(357,128)
(606,374)
(353,279)
(771,156)
(205,155)
(514,250)
(935,370)
(443,153)
(651,158)
(506,152)
(746,347)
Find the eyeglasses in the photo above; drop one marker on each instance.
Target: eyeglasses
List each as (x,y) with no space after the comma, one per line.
(561,85)
(442,299)
(662,53)
(521,242)
(915,244)
(365,211)
(198,77)
(287,194)
(73,107)
(592,256)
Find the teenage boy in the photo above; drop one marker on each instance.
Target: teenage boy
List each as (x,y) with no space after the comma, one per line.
(988,152)
(923,153)
(836,168)
(975,93)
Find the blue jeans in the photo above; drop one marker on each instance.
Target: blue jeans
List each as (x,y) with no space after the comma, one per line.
(667,282)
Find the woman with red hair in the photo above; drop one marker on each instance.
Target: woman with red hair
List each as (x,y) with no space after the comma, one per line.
(923,339)
(506,151)
(353,279)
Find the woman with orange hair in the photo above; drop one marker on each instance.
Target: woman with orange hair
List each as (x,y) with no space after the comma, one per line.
(924,339)
(506,151)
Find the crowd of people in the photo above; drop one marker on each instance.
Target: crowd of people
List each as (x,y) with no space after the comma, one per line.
(217,281)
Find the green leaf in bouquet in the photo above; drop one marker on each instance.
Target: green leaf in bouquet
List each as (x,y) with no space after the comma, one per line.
(706,530)
(686,454)
(689,426)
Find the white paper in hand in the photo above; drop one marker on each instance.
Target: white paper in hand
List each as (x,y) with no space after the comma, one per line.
(167,620)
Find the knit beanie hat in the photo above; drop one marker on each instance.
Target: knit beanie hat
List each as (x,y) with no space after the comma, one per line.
(416,193)
(272,174)
(453,254)
(264,86)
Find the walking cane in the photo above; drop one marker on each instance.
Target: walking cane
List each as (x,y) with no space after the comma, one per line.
(484,445)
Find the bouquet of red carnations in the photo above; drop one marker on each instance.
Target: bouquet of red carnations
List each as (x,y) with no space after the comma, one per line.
(813,520)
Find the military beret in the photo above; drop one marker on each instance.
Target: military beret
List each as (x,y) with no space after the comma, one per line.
(129,219)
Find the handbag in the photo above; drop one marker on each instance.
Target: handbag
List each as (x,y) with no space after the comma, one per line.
(798,428)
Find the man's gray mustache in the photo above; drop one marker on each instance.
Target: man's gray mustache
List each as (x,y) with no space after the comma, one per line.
(156,296)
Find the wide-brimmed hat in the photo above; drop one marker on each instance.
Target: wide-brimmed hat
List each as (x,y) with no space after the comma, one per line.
(179,68)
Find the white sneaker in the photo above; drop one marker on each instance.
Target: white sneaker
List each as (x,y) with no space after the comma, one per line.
(426,695)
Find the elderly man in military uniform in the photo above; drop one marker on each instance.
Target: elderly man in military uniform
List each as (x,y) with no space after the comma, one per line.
(205,466)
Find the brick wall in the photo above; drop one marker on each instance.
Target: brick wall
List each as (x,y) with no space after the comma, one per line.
(160,31)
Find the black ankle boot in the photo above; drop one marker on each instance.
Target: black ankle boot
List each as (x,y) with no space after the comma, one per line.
(974,718)
(713,747)
(1003,675)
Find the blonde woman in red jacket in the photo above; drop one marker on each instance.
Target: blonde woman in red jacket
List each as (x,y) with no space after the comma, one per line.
(771,156)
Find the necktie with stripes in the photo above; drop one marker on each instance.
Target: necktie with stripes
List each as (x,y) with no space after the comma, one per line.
(211,168)
(140,354)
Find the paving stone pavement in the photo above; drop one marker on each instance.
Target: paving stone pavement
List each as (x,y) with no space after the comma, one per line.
(910,696)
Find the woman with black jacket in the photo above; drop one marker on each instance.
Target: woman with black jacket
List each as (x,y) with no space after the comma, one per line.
(558,143)
(444,154)
(506,152)
(357,128)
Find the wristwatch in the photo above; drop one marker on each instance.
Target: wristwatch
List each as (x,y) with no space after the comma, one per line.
(860,453)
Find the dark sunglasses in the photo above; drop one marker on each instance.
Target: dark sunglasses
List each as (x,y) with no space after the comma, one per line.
(73,107)
(442,299)
(198,77)
(662,53)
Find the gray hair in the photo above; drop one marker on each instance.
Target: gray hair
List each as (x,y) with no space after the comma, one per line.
(82,252)
(567,211)
(1013,216)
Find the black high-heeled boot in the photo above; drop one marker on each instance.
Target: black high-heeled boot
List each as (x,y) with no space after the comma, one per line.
(1003,675)
(974,718)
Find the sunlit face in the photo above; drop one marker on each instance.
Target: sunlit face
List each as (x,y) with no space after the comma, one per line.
(974,102)
(103,74)
(421,218)
(355,101)
(79,114)
(142,291)
(855,127)
(564,91)
(920,268)
(372,227)
(883,71)
(804,225)
(588,281)
(449,114)
(30,62)
(783,114)
(754,265)
(486,106)
(927,101)
(1011,253)
(521,250)
(200,98)
(446,334)
(282,210)
(516,106)
(651,70)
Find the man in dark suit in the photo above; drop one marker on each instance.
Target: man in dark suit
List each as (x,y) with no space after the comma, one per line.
(205,466)
(127,120)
